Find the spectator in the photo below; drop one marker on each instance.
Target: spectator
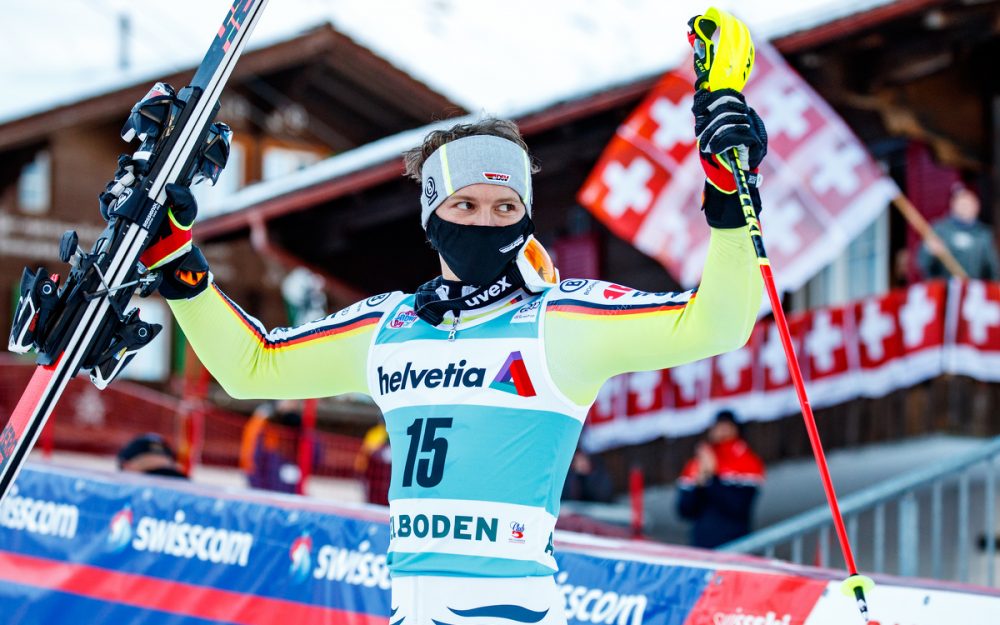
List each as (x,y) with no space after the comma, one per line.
(970,242)
(718,486)
(149,454)
(373,465)
(269,453)
(587,480)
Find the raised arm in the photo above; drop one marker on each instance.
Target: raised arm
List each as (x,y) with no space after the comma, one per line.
(591,337)
(321,358)
(594,331)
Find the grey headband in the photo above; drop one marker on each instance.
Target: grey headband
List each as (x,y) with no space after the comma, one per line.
(479,159)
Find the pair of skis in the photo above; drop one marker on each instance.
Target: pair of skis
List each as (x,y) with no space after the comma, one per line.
(83,323)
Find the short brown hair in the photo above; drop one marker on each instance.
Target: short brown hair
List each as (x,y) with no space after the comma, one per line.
(503,128)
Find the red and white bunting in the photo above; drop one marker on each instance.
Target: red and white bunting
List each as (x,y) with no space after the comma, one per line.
(820,186)
(975,331)
(865,349)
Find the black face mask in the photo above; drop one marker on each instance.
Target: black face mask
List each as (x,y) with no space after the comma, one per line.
(478,254)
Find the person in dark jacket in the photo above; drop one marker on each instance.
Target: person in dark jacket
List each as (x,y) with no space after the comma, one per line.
(970,241)
(717,488)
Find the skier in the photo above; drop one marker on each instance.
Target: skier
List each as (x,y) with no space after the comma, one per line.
(486,373)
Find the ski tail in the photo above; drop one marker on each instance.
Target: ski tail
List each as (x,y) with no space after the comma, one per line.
(24,425)
(87,325)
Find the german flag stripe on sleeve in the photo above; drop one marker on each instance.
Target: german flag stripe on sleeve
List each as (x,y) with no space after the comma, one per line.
(590,308)
(286,338)
(599,298)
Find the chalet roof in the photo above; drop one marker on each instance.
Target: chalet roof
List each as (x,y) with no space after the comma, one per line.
(812,22)
(373,92)
(480,55)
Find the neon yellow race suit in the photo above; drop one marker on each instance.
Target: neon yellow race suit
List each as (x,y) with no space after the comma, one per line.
(483,412)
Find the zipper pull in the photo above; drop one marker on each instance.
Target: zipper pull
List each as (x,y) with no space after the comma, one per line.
(454,328)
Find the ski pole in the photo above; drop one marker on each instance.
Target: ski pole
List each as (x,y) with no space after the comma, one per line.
(855,584)
(732,53)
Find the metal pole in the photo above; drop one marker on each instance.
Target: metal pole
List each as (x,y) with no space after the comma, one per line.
(852,529)
(991,526)
(797,550)
(936,530)
(963,527)
(824,546)
(908,535)
(878,539)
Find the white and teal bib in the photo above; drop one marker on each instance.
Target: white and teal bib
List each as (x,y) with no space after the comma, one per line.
(481,441)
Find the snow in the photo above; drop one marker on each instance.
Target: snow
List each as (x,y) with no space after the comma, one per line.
(518,54)
(506,58)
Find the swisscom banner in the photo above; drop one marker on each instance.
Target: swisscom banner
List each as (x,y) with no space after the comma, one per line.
(91,548)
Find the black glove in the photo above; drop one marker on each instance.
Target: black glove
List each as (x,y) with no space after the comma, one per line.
(185,277)
(723,121)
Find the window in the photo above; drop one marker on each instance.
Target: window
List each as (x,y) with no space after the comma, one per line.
(34,187)
(862,269)
(281,161)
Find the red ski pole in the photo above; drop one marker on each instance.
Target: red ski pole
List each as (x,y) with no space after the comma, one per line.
(724,55)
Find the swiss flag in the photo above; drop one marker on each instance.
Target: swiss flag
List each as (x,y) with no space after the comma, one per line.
(690,384)
(921,316)
(772,354)
(826,342)
(625,185)
(979,316)
(820,184)
(879,338)
(646,391)
(733,372)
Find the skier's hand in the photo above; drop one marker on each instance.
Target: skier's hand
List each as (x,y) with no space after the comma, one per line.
(723,121)
(173,240)
(185,277)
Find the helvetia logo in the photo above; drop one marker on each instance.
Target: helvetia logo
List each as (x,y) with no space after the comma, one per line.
(513,377)
(121,530)
(301,556)
(455,375)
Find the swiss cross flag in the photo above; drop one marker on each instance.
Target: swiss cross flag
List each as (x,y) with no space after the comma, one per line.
(922,315)
(979,316)
(690,384)
(639,162)
(820,186)
(733,372)
(879,337)
(646,390)
(826,342)
(772,354)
